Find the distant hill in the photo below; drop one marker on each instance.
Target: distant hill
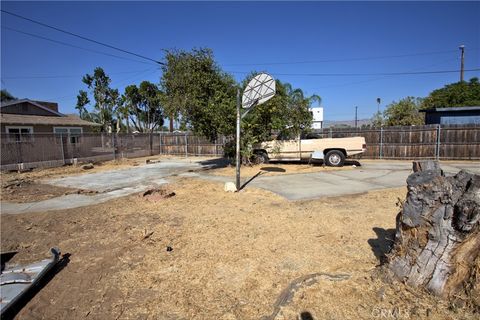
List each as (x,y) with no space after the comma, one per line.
(345,123)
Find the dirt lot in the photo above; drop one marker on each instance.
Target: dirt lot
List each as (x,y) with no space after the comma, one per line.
(233,257)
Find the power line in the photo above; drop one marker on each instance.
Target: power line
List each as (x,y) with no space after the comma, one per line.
(70,76)
(384,77)
(71,45)
(81,37)
(361,74)
(344,60)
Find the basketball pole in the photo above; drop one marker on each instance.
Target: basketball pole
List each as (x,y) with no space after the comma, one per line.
(237,162)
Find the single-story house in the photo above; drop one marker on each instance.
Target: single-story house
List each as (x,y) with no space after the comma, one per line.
(22,118)
(454,115)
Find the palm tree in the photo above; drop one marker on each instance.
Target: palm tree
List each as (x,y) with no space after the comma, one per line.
(123,111)
(314,98)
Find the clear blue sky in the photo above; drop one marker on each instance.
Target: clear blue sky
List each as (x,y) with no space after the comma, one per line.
(244,36)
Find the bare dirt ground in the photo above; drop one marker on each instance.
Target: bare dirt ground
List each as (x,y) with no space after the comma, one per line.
(24,190)
(233,257)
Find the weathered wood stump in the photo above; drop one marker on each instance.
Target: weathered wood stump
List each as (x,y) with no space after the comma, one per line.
(437,241)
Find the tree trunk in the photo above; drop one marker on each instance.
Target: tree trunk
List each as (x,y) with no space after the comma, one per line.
(128,124)
(151,142)
(437,242)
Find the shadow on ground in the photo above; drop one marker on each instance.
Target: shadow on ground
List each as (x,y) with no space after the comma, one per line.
(348,162)
(11,312)
(305,315)
(352,162)
(272,169)
(382,245)
(259,173)
(216,163)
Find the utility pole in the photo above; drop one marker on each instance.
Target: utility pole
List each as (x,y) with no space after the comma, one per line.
(378,104)
(462,48)
(356,118)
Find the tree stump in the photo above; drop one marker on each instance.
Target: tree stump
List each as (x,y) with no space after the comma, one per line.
(437,241)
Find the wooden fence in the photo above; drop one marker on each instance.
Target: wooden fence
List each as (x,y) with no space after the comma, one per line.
(445,142)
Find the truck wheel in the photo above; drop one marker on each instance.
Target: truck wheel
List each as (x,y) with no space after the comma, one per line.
(335,158)
(260,157)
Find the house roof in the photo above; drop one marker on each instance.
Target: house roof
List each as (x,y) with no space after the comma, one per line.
(65,120)
(35,103)
(474,108)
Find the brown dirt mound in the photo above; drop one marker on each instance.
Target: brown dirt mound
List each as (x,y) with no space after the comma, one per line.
(157,194)
(26,190)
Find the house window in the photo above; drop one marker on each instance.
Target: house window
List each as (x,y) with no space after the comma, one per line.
(20,134)
(73,133)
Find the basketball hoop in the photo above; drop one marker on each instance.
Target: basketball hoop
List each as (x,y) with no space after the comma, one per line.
(259,90)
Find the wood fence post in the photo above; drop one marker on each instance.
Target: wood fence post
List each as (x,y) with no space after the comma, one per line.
(113,145)
(63,151)
(438,142)
(381,142)
(159,143)
(186,146)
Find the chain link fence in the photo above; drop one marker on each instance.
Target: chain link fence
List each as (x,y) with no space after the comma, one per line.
(24,151)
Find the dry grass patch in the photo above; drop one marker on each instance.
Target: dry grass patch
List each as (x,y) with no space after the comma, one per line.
(232,256)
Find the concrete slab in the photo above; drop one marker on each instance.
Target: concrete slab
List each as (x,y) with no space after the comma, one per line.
(372,175)
(110,184)
(70,201)
(125,178)
(313,185)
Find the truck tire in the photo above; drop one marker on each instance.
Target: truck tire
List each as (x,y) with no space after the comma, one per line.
(335,158)
(260,157)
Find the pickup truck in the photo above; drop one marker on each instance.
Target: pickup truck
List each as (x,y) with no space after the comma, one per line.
(332,151)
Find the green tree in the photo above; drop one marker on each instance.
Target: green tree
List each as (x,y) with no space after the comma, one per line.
(459,94)
(404,113)
(199,92)
(378,120)
(106,99)
(143,105)
(298,114)
(82,102)
(149,110)
(130,105)
(287,112)
(6,96)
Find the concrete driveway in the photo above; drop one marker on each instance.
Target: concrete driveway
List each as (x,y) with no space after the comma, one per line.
(372,175)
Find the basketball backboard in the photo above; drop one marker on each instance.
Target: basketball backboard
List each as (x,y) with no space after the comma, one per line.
(260,89)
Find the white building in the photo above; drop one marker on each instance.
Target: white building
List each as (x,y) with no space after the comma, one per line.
(317,113)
